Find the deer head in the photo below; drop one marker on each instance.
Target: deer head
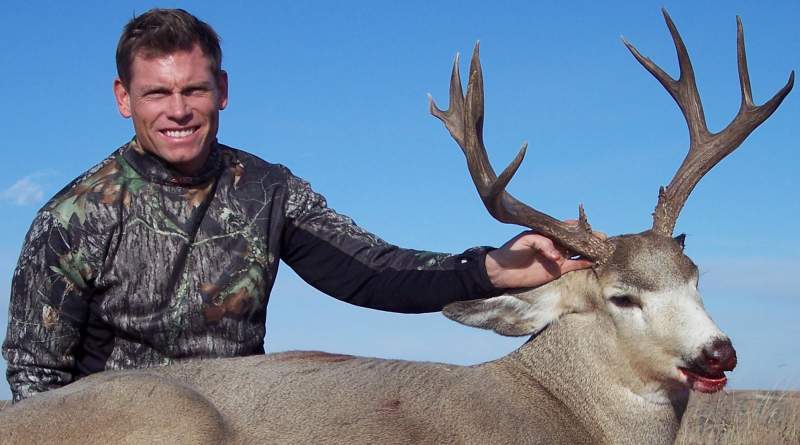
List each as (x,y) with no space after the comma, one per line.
(643,283)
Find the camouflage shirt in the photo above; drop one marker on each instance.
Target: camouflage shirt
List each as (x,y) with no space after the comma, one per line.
(134,265)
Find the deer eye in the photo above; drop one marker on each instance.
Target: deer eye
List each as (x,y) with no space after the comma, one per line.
(625,301)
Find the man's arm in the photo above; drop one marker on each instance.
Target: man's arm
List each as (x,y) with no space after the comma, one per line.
(333,254)
(47,308)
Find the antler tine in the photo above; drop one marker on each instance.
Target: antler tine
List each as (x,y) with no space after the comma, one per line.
(464,121)
(683,90)
(764,111)
(744,74)
(452,117)
(705,149)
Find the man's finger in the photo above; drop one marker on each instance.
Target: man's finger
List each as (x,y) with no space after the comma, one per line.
(571,265)
(545,247)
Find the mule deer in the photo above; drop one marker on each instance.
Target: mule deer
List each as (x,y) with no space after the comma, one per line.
(614,350)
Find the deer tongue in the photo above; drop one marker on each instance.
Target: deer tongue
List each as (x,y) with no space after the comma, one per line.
(704,383)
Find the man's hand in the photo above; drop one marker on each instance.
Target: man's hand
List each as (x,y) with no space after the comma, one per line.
(530,260)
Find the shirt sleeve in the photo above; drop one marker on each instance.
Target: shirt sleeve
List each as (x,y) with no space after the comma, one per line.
(47,309)
(330,252)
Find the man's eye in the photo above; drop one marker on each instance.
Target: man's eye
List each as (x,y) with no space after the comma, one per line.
(625,301)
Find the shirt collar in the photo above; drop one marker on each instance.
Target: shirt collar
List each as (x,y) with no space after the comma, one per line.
(155,169)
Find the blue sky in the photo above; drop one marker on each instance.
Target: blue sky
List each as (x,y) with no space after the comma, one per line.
(337,91)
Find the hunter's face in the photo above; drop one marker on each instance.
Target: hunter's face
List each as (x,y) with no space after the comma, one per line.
(174,100)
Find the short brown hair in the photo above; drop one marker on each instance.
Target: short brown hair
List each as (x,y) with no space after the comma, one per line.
(164,31)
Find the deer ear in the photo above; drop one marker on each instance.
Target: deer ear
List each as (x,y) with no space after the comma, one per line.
(681,239)
(515,314)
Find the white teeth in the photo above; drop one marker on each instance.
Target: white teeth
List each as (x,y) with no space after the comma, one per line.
(179,133)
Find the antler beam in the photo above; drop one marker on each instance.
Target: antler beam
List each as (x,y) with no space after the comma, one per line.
(464,121)
(706,149)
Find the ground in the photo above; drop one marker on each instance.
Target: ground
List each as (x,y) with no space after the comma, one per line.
(742,417)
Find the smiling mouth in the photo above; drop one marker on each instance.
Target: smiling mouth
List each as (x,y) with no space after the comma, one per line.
(703,382)
(179,133)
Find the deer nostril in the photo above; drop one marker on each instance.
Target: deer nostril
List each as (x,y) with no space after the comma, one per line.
(720,355)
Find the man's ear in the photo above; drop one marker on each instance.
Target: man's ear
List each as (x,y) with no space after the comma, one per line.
(222,86)
(123,98)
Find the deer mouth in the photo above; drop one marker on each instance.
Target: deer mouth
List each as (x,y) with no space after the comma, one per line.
(702,381)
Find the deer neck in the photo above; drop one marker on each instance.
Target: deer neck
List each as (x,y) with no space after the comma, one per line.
(577,360)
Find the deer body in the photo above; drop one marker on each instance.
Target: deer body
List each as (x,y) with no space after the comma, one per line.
(523,398)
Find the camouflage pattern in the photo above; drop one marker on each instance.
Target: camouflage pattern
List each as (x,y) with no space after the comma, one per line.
(133,265)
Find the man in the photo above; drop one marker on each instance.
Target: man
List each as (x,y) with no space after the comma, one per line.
(168,248)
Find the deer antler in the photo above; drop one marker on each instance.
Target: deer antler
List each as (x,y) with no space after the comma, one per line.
(706,149)
(464,120)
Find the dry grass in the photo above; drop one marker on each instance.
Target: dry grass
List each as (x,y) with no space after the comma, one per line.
(742,417)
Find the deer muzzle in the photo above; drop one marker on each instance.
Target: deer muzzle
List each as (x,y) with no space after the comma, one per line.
(707,372)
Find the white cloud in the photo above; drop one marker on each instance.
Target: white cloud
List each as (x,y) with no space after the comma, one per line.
(24,192)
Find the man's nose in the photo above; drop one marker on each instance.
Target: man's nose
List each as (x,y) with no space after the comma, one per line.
(179,109)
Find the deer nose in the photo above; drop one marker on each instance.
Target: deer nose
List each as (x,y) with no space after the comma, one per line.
(719,356)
